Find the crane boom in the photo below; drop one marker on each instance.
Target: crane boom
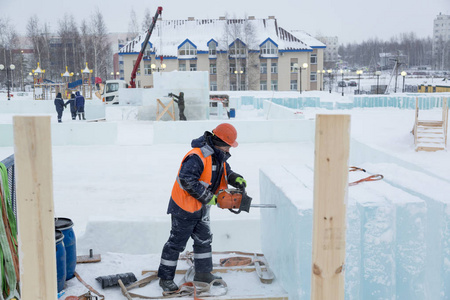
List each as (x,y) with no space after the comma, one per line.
(144,45)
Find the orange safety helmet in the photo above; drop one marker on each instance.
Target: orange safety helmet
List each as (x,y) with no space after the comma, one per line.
(227,133)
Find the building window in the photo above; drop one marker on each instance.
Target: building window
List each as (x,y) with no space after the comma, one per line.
(293,85)
(212,69)
(233,86)
(147,68)
(232,68)
(147,52)
(269,48)
(313,59)
(263,85)
(193,67)
(293,69)
(274,68)
(213,85)
(263,68)
(313,76)
(274,85)
(212,49)
(187,49)
(182,66)
(237,49)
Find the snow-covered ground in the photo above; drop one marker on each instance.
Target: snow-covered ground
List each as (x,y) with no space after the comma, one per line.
(132,180)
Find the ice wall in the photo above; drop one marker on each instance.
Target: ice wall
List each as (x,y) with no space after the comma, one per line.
(70,133)
(194,85)
(396,239)
(256,131)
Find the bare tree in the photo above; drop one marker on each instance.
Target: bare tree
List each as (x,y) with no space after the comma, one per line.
(8,42)
(101,46)
(238,41)
(147,21)
(133,27)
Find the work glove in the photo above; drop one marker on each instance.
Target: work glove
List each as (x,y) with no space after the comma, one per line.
(240,183)
(213,200)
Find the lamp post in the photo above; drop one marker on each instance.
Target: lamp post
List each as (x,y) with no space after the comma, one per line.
(329,79)
(403,73)
(304,66)
(159,69)
(8,81)
(322,86)
(378,73)
(117,74)
(21,71)
(238,81)
(359,72)
(342,82)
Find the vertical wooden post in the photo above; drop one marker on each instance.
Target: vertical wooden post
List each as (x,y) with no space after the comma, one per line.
(332,145)
(33,163)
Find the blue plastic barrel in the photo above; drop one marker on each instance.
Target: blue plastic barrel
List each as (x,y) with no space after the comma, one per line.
(60,259)
(232,113)
(70,244)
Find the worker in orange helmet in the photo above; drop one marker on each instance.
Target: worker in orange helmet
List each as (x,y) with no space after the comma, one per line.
(203,172)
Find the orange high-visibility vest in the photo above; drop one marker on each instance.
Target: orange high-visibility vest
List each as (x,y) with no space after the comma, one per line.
(182,198)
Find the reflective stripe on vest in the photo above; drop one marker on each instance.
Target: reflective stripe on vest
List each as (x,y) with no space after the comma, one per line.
(182,198)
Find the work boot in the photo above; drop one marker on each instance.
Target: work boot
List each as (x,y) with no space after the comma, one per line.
(168,285)
(206,277)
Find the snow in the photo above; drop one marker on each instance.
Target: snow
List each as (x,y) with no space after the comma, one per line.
(122,190)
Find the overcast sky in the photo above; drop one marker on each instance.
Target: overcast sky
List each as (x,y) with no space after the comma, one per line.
(349,20)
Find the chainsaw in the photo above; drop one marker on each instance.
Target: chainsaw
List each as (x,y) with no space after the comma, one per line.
(237,200)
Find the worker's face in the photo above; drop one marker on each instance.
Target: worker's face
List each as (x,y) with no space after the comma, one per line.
(224,148)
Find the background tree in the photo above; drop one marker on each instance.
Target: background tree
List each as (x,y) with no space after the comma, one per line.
(133,25)
(102,53)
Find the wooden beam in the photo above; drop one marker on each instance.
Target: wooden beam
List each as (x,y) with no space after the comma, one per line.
(33,163)
(332,144)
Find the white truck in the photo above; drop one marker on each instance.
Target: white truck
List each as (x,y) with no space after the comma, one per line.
(110,92)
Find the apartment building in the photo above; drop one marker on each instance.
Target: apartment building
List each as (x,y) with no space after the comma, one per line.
(441,42)
(239,54)
(331,55)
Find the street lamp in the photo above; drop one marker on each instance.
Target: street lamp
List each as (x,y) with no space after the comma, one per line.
(8,81)
(378,73)
(359,72)
(304,66)
(403,73)
(329,79)
(238,81)
(342,82)
(154,68)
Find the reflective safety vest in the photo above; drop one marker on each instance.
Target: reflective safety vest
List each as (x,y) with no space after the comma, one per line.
(182,198)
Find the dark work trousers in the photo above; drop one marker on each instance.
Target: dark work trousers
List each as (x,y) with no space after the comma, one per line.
(182,229)
(60,113)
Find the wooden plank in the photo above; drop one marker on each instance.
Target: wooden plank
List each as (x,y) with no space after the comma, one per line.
(33,163)
(332,144)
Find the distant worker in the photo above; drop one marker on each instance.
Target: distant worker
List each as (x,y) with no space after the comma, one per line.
(59,105)
(73,107)
(79,103)
(203,172)
(180,100)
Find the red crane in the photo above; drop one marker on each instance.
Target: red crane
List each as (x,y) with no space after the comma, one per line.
(144,45)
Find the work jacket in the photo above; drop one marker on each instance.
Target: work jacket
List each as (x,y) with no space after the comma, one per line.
(185,200)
